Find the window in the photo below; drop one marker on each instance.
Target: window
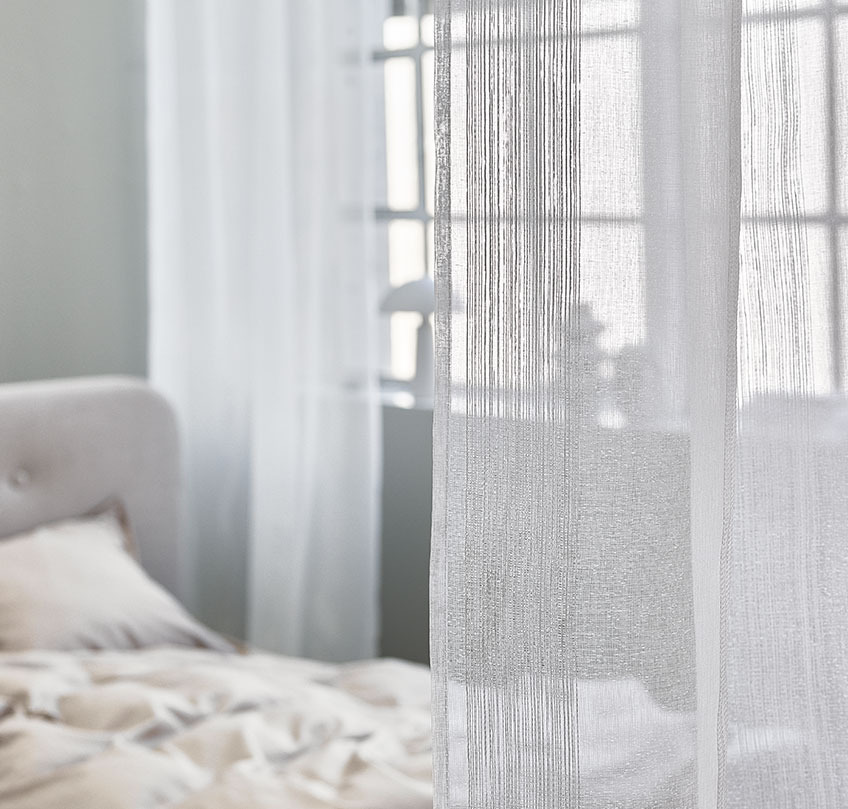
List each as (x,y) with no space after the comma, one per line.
(405,55)
(613,30)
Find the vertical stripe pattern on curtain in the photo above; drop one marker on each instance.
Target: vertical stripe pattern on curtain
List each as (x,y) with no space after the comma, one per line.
(506,574)
(509,326)
(520,336)
(639,575)
(588,218)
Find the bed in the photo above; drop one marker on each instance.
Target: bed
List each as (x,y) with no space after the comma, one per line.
(111,695)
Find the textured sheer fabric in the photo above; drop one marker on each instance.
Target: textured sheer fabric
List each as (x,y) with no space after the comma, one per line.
(639,574)
(264,312)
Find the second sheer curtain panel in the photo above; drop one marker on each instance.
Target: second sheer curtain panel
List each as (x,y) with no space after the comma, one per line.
(264,312)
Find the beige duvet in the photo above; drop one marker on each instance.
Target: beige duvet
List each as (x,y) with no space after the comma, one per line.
(192,729)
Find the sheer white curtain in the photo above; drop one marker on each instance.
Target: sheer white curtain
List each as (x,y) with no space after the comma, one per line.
(263,313)
(639,569)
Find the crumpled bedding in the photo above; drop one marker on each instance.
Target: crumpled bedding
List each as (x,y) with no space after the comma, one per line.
(196,729)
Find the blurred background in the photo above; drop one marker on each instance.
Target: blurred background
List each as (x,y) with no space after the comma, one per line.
(125,133)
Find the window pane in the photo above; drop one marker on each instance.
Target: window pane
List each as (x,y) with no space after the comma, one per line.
(821,308)
(427,82)
(804,151)
(400,32)
(406,251)
(603,15)
(841,123)
(427,29)
(613,283)
(404,337)
(431,248)
(812,113)
(841,269)
(773,256)
(401,137)
(611,126)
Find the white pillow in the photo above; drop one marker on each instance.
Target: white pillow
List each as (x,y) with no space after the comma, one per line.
(71,585)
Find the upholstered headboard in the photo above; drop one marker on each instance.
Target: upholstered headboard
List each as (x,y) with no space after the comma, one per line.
(67,446)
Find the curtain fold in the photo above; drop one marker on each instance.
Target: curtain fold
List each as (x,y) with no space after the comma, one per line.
(264,312)
(638,568)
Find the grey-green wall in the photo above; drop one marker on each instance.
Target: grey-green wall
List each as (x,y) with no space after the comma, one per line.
(72,188)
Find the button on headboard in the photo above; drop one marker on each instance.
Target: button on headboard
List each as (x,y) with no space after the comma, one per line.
(67,446)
